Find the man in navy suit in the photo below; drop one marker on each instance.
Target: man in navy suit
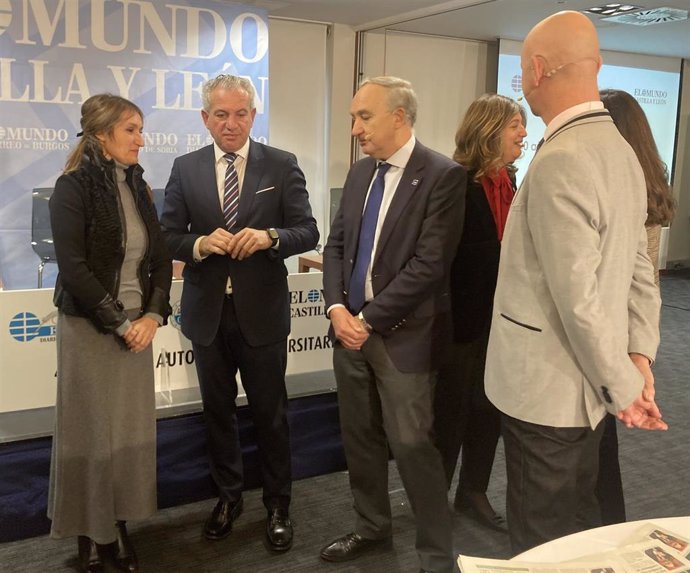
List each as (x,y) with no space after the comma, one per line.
(386,267)
(233,211)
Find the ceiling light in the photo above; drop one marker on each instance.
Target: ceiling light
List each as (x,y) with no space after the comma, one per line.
(612,9)
(649,17)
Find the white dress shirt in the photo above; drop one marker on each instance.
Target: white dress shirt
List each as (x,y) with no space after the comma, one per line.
(568,114)
(398,162)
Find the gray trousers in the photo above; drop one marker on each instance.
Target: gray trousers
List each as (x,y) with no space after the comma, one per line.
(552,475)
(381,407)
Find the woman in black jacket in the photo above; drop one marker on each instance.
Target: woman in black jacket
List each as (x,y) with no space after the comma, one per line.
(487,142)
(112,294)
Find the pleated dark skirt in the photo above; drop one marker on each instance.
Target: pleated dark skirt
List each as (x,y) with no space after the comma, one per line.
(103,465)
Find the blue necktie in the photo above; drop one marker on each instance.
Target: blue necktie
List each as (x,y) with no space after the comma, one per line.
(365,246)
(231,196)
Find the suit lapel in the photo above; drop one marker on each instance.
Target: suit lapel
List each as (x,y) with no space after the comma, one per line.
(360,187)
(410,181)
(250,185)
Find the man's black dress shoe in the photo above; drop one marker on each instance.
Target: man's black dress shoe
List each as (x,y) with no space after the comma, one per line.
(351,546)
(279,530)
(89,557)
(125,557)
(480,509)
(219,525)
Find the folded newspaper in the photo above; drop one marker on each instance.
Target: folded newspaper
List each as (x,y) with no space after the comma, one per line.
(651,549)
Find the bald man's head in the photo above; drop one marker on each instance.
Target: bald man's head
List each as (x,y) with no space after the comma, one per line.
(560,57)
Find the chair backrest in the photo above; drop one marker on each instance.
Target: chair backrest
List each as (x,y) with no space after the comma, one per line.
(41,233)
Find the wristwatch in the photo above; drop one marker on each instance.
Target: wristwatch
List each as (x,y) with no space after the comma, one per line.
(365,324)
(273,235)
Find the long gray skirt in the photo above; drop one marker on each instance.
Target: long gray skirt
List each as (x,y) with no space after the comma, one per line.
(103,465)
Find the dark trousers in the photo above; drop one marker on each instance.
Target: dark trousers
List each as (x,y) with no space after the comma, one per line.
(464,416)
(609,482)
(552,474)
(262,370)
(381,406)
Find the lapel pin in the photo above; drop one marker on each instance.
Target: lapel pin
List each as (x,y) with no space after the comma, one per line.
(414,182)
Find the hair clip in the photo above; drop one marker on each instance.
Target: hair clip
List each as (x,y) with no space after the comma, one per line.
(80,134)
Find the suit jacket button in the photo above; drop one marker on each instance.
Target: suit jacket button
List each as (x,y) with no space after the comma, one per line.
(607,396)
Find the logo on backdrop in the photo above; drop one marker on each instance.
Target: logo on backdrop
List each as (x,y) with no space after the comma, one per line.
(54,54)
(34,138)
(26,326)
(516,83)
(176,316)
(307,303)
(650,96)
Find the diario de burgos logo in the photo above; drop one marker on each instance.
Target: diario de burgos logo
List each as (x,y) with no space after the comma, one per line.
(26,326)
(33,138)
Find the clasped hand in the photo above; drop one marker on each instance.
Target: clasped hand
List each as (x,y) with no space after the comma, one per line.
(348,329)
(140,334)
(643,413)
(239,245)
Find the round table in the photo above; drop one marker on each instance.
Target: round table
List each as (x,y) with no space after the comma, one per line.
(598,540)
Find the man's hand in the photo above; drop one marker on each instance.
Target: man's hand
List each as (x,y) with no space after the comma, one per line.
(643,414)
(348,329)
(215,243)
(643,365)
(247,242)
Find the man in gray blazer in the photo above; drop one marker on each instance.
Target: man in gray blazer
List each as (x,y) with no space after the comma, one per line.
(576,312)
(233,211)
(386,267)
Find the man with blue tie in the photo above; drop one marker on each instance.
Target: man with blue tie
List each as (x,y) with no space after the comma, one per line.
(233,211)
(386,267)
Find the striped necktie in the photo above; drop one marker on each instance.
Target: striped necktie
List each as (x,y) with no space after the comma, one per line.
(231,196)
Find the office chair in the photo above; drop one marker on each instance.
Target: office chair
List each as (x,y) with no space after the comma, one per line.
(41,233)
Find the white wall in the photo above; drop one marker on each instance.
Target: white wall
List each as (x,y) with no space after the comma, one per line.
(298,112)
(312,78)
(447,74)
(679,237)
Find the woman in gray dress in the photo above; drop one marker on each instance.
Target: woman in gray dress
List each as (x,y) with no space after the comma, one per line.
(112,293)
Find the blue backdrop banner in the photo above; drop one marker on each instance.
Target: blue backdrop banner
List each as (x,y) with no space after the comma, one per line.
(54,54)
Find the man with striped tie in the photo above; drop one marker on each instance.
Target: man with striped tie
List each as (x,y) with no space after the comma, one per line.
(233,211)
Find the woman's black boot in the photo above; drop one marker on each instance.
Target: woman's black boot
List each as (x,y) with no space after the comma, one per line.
(125,557)
(89,557)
